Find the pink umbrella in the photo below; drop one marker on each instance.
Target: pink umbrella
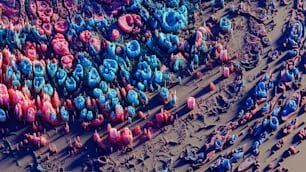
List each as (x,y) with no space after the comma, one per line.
(226,72)
(191,103)
(127,136)
(4,96)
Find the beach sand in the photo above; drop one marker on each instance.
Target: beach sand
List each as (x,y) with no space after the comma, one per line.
(168,143)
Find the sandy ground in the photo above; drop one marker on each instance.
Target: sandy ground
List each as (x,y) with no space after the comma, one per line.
(185,132)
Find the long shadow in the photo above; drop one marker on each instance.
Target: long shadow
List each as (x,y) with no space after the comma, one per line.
(296,139)
(76,163)
(206,88)
(180,162)
(182,111)
(10,125)
(280,134)
(247,137)
(285,58)
(280,48)
(85,155)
